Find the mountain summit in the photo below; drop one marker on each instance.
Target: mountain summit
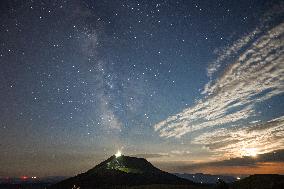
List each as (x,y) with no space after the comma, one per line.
(120,171)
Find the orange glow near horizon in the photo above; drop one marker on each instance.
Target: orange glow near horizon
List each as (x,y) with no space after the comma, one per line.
(260,168)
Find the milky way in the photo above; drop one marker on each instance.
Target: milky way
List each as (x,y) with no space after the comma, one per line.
(172,81)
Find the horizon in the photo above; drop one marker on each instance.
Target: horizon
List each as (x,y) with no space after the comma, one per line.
(241,174)
(35,178)
(191,86)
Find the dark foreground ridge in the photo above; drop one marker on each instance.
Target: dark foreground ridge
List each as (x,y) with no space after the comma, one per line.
(261,181)
(121,171)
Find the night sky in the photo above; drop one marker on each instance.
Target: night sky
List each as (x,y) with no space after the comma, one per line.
(181,83)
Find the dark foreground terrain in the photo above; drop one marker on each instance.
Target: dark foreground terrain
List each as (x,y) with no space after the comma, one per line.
(260,182)
(126,172)
(251,182)
(24,186)
(154,186)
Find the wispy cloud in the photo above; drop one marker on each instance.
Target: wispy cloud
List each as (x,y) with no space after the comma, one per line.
(227,52)
(164,155)
(180,152)
(150,156)
(255,75)
(242,141)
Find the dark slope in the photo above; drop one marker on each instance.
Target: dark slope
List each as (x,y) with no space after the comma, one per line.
(121,171)
(263,181)
(206,178)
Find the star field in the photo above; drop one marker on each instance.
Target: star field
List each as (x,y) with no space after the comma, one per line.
(81,79)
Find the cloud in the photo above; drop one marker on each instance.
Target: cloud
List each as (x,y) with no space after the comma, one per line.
(227,53)
(230,52)
(255,76)
(149,156)
(243,165)
(162,155)
(277,156)
(267,163)
(180,152)
(244,141)
(226,121)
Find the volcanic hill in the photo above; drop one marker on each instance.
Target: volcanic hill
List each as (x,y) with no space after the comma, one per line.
(121,171)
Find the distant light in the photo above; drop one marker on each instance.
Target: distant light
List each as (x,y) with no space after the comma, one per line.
(238,178)
(24,177)
(118,154)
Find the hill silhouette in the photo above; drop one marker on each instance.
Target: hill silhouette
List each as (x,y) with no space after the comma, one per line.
(121,171)
(260,181)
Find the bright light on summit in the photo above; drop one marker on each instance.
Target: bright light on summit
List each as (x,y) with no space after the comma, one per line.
(118,154)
